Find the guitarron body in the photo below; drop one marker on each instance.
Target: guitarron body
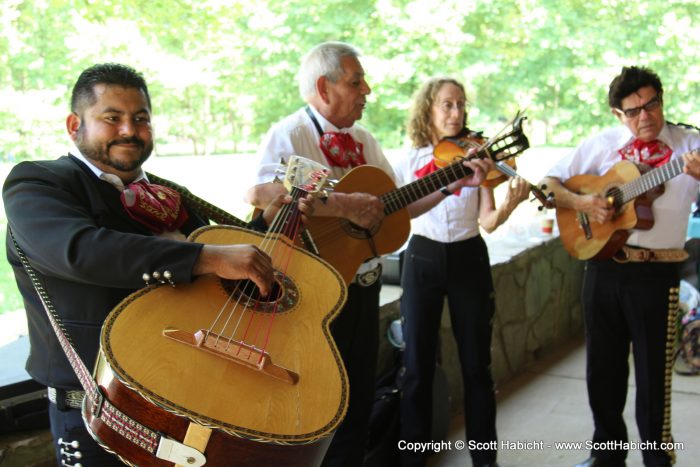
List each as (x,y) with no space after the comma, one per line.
(607,238)
(255,419)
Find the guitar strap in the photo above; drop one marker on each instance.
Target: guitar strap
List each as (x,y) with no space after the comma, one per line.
(99,406)
(314,120)
(207,210)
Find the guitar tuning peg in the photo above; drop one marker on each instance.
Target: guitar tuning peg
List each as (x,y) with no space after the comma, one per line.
(543,186)
(331,182)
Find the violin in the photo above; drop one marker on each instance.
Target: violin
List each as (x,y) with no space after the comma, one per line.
(450,150)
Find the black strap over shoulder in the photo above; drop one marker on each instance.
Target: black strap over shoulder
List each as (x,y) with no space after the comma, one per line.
(207,210)
(313,119)
(685,125)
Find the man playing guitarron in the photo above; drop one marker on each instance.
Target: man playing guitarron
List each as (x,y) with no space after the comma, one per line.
(85,223)
(632,297)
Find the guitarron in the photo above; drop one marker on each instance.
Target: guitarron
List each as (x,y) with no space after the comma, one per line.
(242,379)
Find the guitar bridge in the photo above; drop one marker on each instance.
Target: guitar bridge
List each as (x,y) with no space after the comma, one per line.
(585,225)
(236,351)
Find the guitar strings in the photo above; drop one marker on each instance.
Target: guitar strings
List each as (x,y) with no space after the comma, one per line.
(646,182)
(509,145)
(287,216)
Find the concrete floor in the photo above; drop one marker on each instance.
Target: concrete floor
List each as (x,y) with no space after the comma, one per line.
(548,404)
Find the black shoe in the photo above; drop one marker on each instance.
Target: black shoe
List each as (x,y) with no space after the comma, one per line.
(594,462)
(490,464)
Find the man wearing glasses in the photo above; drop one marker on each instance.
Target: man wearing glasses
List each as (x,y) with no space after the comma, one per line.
(632,298)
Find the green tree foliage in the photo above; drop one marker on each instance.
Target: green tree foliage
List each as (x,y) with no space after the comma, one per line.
(221,72)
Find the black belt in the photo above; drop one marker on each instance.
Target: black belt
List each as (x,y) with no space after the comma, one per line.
(66,398)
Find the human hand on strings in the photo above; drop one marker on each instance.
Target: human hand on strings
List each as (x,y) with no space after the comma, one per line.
(595,206)
(479,168)
(236,262)
(691,162)
(518,191)
(362,209)
(306,207)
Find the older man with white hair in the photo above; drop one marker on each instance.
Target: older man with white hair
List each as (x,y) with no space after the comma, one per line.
(332,83)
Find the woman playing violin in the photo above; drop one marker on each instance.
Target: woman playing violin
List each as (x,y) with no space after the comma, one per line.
(447,257)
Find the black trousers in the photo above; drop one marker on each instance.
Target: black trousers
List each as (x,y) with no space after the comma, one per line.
(632,303)
(460,271)
(73,443)
(356,333)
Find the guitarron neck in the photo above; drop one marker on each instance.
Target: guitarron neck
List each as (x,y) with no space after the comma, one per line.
(288,218)
(652,179)
(407,194)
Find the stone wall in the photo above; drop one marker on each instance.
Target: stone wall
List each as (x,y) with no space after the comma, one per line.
(537,309)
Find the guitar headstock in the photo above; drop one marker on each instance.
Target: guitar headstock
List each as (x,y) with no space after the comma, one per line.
(505,146)
(304,174)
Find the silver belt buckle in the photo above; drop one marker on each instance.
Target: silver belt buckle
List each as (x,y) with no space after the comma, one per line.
(369,277)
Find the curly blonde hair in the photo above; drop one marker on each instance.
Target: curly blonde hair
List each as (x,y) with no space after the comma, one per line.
(420,125)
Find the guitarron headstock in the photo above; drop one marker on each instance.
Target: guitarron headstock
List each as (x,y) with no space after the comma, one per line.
(304,174)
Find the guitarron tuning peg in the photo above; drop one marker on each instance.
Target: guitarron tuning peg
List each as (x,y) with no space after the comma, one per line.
(281,168)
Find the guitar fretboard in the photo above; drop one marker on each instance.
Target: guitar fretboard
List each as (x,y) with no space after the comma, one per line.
(407,194)
(497,149)
(649,180)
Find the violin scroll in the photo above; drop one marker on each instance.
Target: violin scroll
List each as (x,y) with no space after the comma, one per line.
(546,200)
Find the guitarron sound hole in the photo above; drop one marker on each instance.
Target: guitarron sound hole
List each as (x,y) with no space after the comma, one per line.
(282,298)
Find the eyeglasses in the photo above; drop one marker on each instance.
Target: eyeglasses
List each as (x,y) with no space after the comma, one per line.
(653,104)
(447,106)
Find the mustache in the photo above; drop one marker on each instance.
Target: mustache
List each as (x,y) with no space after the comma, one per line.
(132,140)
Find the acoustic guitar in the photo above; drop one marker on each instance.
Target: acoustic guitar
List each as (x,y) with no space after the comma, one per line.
(243,379)
(345,245)
(630,191)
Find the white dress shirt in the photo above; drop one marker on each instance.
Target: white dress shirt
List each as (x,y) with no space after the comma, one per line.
(297,135)
(671,210)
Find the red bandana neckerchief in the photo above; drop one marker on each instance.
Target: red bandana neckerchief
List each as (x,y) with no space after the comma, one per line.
(157,207)
(341,149)
(654,153)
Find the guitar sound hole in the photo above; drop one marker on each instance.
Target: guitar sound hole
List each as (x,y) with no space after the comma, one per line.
(283,297)
(615,194)
(355,231)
